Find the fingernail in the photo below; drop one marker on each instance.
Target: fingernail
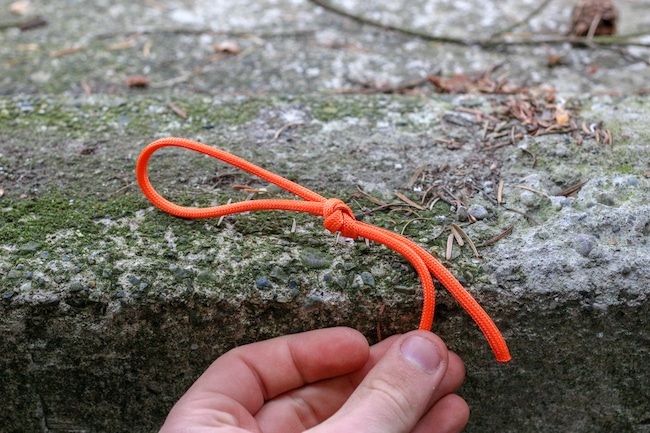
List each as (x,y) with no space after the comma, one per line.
(421,352)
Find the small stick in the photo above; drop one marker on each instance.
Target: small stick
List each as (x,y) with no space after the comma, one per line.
(222,217)
(500,192)
(497,238)
(536,191)
(409,201)
(573,188)
(285,127)
(66,51)
(455,230)
(450,246)
(176,109)
(467,238)
(532,155)
(415,176)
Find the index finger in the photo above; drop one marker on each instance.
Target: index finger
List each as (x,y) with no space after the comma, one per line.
(257,372)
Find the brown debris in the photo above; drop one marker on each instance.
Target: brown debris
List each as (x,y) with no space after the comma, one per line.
(227,47)
(481,83)
(408,201)
(177,110)
(137,81)
(536,116)
(497,238)
(66,51)
(594,18)
(573,188)
(368,87)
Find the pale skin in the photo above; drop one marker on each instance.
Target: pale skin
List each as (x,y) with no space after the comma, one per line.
(327,380)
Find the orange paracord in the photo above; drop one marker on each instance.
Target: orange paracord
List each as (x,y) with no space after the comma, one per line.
(338,218)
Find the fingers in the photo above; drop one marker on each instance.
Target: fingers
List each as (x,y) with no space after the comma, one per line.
(251,374)
(306,407)
(397,393)
(448,415)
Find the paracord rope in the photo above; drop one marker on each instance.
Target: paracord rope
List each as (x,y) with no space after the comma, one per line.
(338,218)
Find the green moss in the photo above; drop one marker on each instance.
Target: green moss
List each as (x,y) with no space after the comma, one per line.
(143,116)
(32,220)
(370,108)
(625,169)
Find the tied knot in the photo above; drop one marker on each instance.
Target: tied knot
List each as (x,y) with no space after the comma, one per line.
(340,218)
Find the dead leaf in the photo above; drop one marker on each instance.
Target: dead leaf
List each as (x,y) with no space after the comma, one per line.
(459,83)
(137,81)
(594,18)
(65,51)
(227,47)
(561,115)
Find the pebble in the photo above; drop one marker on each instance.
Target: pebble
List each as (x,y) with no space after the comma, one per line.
(8,295)
(477,211)
(462,214)
(529,199)
(357,282)
(26,287)
(409,290)
(30,246)
(583,244)
(76,287)
(278,274)
(558,202)
(262,282)
(367,279)
(182,274)
(315,260)
(52,301)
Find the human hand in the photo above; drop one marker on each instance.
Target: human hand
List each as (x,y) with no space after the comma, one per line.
(327,380)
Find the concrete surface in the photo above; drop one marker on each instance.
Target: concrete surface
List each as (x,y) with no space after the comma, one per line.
(110,309)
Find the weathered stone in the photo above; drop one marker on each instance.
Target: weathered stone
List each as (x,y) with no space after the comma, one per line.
(85,350)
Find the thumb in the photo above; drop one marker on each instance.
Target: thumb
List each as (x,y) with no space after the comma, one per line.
(398,391)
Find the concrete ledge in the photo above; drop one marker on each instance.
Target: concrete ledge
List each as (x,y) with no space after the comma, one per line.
(110,308)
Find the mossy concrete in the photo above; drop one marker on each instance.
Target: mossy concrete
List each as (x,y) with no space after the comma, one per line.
(111,308)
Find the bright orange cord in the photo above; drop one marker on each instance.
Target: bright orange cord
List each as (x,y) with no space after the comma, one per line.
(338,218)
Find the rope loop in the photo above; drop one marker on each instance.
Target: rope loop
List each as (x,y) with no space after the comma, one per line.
(340,218)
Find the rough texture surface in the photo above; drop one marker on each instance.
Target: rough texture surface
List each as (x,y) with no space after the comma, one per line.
(109,308)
